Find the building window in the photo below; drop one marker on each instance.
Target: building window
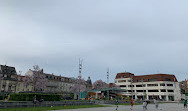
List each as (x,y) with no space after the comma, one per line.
(122,81)
(141,85)
(131,91)
(163,90)
(151,80)
(162,84)
(167,79)
(150,85)
(140,90)
(140,80)
(123,86)
(170,85)
(153,90)
(170,90)
(131,86)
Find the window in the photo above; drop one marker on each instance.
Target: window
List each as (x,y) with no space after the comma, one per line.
(122,81)
(140,90)
(153,90)
(123,86)
(163,90)
(131,91)
(170,85)
(131,86)
(170,90)
(129,80)
(140,80)
(150,85)
(150,80)
(168,79)
(141,85)
(162,84)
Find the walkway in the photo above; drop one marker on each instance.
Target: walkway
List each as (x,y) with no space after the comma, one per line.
(151,107)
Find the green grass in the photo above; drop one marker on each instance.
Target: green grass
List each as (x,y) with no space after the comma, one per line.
(51,108)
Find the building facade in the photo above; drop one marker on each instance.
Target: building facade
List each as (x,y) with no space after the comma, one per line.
(8,79)
(59,84)
(159,86)
(11,82)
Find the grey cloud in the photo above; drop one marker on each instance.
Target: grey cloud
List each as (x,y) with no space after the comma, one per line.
(142,37)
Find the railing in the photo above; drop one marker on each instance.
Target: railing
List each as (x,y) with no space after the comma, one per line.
(42,104)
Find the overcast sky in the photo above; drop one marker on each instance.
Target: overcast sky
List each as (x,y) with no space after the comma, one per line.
(137,36)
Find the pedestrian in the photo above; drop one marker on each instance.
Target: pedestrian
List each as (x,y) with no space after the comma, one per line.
(41,100)
(185,103)
(144,106)
(131,104)
(35,99)
(147,102)
(117,102)
(156,104)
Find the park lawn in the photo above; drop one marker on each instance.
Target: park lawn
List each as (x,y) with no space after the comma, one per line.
(51,108)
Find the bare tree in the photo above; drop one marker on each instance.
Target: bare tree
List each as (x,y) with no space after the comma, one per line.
(99,84)
(38,79)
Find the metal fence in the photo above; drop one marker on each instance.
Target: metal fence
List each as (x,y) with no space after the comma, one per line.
(43,104)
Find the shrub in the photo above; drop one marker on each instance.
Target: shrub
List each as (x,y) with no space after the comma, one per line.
(30,96)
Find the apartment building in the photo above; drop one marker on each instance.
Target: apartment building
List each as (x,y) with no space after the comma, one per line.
(10,82)
(160,86)
(21,86)
(59,84)
(8,79)
(56,84)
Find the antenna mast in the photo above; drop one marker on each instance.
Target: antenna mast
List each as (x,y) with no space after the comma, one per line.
(80,69)
(107,75)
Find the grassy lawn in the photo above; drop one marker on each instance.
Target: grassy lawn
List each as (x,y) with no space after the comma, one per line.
(51,108)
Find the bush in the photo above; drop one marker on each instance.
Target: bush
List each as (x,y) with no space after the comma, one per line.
(1,98)
(30,96)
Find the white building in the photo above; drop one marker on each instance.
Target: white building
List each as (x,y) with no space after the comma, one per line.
(159,86)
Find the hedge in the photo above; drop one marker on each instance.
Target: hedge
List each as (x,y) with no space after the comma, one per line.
(30,96)
(1,97)
(186,94)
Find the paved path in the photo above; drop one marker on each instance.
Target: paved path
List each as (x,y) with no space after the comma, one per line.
(151,107)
